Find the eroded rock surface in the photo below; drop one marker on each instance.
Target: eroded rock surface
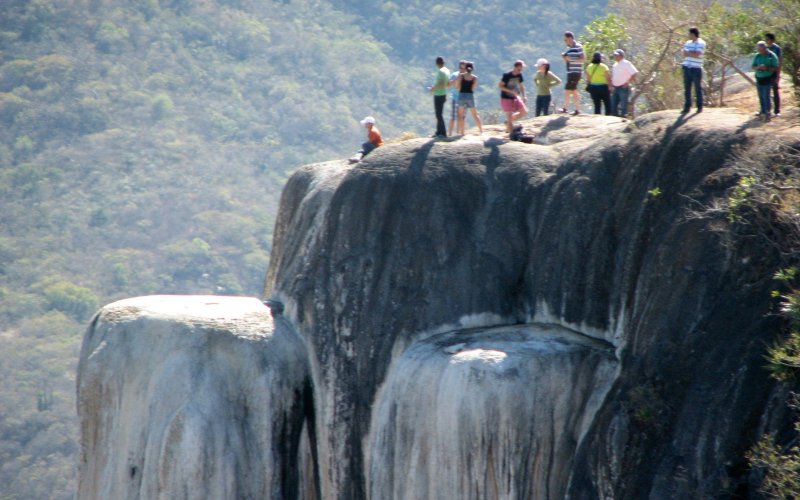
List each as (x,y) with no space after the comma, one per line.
(587,229)
(472,413)
(461,319)
(190,397)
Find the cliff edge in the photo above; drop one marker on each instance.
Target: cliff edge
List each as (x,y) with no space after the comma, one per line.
(587,230)
(472,318)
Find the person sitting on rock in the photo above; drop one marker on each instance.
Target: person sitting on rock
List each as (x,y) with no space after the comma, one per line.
(374,139)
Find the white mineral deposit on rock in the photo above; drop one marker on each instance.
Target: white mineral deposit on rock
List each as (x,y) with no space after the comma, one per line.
(486,413)
(184,397)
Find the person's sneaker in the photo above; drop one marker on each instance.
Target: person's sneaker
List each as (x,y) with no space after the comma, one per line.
(561,110)
(699,110)
(767,118)
(576,113)
(684,111)
(777,114)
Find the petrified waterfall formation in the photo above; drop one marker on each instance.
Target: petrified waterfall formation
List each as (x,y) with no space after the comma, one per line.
(466,319)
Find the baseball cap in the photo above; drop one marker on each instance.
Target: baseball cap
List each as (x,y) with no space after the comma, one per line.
(762,43)
(368,119)
(519,62)
(542,61)
(619,52)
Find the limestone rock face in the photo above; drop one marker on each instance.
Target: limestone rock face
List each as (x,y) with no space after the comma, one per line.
(461,319)
(587,230)
(190,397)
(486,413)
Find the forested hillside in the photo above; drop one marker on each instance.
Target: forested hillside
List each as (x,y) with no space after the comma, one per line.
(143,146)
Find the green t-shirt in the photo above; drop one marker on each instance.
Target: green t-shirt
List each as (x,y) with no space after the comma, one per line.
(769,59)
(597,72)
(545,82)
(442,79)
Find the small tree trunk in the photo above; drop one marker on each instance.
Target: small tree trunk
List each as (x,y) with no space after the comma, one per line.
(722,82)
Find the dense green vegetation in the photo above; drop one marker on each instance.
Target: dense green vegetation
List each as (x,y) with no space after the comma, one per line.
(143,145)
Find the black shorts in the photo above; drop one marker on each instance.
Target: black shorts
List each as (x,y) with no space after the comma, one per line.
(572,81)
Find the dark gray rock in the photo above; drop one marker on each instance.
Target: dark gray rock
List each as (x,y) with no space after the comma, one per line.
(426,236)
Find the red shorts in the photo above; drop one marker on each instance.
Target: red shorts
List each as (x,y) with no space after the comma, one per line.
(512,105)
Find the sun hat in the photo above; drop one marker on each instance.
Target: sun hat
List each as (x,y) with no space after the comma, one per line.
(368,119)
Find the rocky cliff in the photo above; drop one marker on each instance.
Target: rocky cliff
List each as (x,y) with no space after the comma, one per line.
(464,319)
(190,397)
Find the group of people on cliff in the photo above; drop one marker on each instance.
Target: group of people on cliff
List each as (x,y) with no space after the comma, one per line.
(766,67)
(609,88)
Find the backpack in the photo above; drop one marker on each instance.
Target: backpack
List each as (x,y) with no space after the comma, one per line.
(518,135)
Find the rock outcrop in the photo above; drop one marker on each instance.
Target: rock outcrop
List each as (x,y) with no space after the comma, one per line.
(191,397)
(462,319)
(486,413)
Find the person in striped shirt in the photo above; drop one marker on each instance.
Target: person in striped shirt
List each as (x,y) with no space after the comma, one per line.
(574,57)
(693,51)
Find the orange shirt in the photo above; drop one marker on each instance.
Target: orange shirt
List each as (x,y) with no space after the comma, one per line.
(375,136)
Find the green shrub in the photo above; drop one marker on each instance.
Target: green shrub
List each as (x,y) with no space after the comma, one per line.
(782,466)
(110,38)
(23,147)
(161,106)
(76,301)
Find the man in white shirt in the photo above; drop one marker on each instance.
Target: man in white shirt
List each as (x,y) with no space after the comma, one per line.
(622,75)
(693,51)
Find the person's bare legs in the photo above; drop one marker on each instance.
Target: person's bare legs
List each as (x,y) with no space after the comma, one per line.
(520,113)
(477,119)
(511,117)
(576,99)
(461,120)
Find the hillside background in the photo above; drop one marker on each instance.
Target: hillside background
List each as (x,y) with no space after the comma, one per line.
(144,144)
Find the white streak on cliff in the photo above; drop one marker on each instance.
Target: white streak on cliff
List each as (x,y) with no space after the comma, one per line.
(189,397)
(486,413)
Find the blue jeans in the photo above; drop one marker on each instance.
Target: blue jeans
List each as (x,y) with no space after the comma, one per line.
(619,101)
(367,148)
(543,104)
(763,97)
(776,94)
(692,77)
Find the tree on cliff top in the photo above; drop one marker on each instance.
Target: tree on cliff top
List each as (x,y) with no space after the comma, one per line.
(653,32)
